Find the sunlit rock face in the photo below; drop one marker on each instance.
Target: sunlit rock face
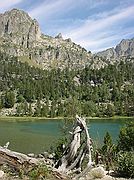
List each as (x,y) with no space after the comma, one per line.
(124,48)
(19,28)
(20,36)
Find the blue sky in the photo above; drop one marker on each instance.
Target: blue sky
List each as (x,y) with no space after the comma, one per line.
(94,24)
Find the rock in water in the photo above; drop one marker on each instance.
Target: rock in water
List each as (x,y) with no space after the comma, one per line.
(31,155)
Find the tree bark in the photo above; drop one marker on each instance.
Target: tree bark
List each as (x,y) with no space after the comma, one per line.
(15,159)
(77,150)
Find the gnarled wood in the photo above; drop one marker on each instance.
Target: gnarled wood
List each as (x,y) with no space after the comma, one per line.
(15,159)
(77,150)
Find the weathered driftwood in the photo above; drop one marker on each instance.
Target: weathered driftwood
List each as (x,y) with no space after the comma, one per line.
(19,161)
(78,149)
(15,159)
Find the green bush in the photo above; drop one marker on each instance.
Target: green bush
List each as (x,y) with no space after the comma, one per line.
(126,138)
(108,151)
(9,99)
(125,147)
(40,172)
(59,149)
(125,164)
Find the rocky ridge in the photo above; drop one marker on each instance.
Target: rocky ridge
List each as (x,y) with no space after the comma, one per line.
(124,49)
(20,36)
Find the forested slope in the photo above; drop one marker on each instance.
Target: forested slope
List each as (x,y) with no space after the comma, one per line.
(27,90)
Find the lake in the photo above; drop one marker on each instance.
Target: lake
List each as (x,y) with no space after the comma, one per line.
(38,136)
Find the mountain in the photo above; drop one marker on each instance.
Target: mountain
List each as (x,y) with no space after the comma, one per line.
(20,36)
(124,49)
(58,82)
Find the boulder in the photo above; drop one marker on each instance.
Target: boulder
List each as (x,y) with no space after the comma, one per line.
(97,172)
(31,155)
(1,174)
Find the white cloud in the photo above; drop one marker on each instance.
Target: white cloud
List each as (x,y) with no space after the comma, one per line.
(100,32)
(50,7)
(6,4)
(99,43)
(91,26)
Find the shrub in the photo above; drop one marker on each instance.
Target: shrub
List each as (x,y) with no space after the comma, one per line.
(125,164)
(108,151)
(126,138)
(59,149)
(9,99)
(40,172)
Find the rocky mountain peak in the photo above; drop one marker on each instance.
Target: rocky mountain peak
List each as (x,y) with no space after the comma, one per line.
(124,48)
(20,36)
(59,36)
(19,27)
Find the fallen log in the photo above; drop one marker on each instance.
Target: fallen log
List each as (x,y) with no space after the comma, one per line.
(19,161)
(16,160)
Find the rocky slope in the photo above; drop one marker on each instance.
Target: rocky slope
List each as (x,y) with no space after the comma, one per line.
(124,48)
(20,36)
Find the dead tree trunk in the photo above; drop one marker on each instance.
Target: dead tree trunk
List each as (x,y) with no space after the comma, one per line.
(16,160)
(78,149)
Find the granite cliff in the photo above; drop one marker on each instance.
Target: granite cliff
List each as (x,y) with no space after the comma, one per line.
(124,49)
(20,36)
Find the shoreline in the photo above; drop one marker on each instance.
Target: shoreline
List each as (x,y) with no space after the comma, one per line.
(29,118)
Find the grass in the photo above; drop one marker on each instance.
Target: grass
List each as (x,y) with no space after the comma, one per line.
(112,118)
(25,118)
(29,118)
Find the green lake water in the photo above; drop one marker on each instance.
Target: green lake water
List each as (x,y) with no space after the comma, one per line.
(38,136)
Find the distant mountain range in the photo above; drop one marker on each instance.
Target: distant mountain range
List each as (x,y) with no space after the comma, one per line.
(20,36)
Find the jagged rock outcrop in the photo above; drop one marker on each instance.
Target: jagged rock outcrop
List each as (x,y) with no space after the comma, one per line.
(18,28)
(59,36)
(124,48)
(20,36)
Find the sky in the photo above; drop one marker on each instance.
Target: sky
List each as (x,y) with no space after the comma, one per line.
(94,24)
